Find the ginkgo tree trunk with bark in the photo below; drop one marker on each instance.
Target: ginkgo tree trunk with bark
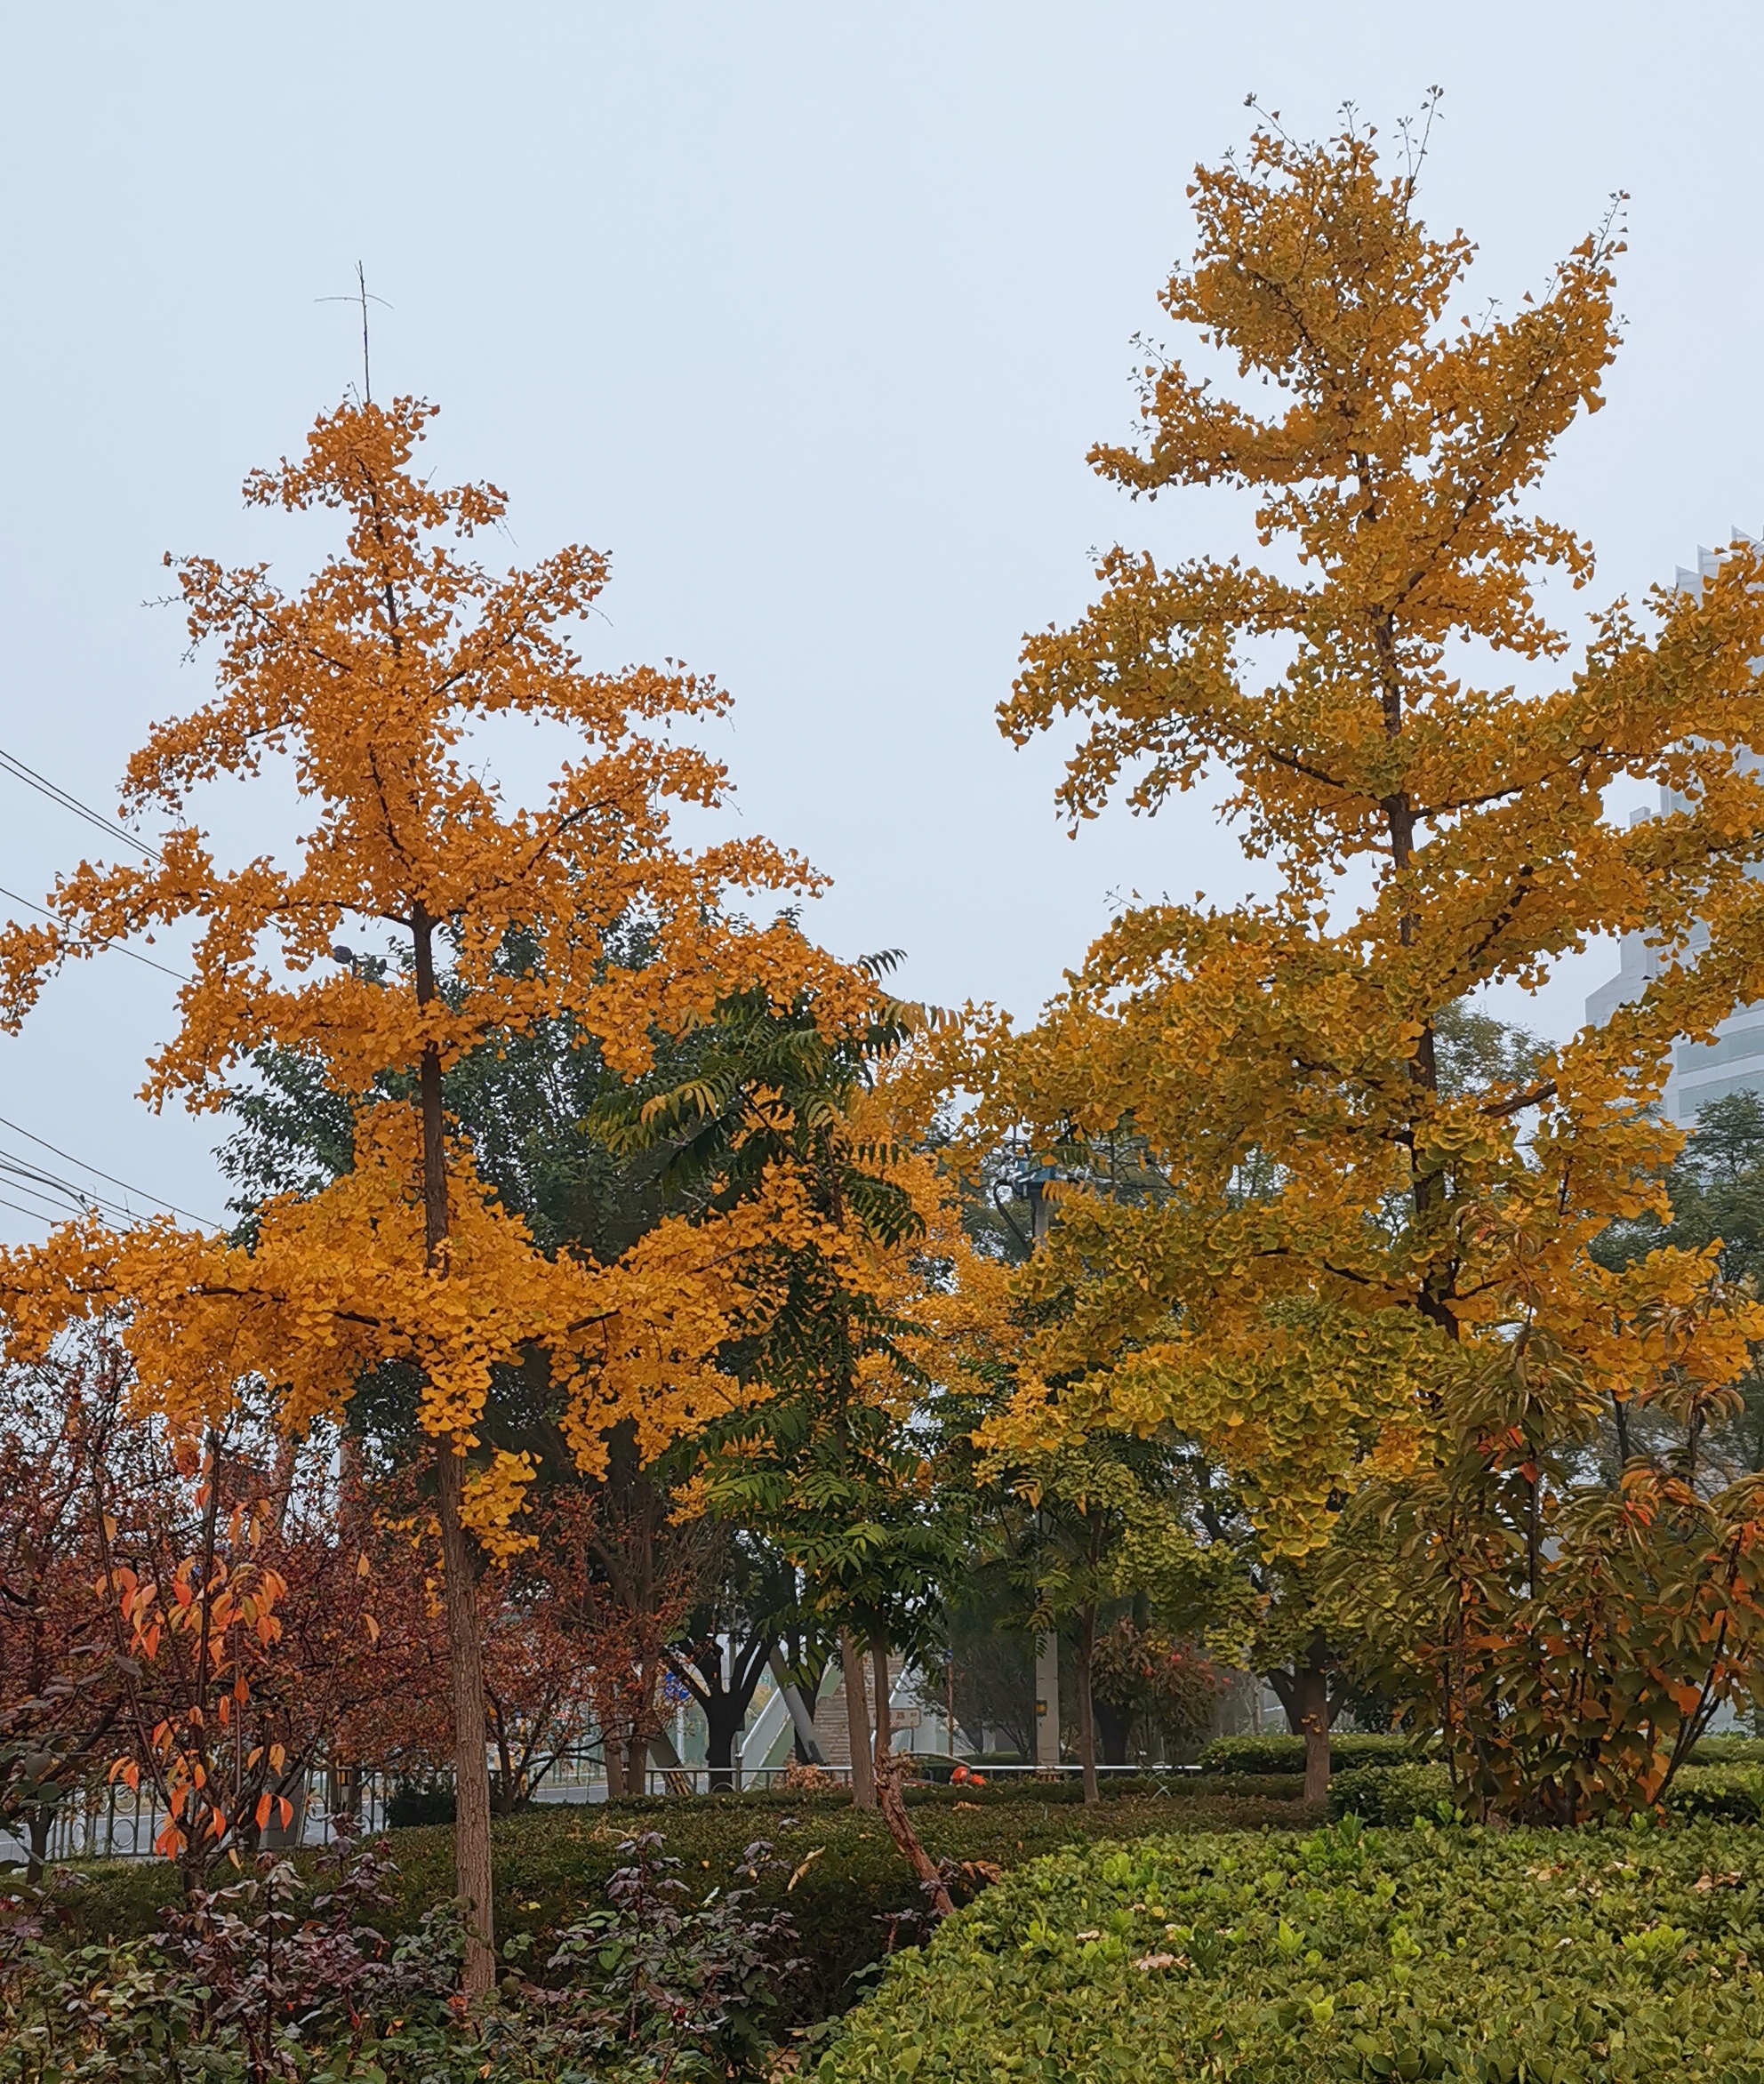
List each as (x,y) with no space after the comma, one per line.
(370,685)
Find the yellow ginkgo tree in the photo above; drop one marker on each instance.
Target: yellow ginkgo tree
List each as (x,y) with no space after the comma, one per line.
(365,685)
(1342,1244)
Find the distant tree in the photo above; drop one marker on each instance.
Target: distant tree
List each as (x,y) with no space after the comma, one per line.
(1714,1191)
(746,1605)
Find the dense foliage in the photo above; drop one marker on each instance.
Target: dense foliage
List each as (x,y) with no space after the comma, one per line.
(285,1976)
(1490,1957)
(853,1900)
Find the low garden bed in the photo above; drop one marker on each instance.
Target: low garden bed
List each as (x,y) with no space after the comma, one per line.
(852,1899)
(1519,1957)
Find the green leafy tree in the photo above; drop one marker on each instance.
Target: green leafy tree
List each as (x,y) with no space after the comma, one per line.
(832,1460)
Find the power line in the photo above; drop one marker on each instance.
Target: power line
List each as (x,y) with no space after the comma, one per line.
(22,1186)
(36,1215)
(19,1171)
(11,764)
(49,1189)
(122,947)
(128,1186)
(31,1179)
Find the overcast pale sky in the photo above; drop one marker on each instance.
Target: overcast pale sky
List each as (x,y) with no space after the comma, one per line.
(807,314)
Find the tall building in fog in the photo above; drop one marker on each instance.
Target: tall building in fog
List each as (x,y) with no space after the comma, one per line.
(1733,1061)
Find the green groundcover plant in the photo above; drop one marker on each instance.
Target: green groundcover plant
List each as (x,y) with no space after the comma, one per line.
(1519,1957)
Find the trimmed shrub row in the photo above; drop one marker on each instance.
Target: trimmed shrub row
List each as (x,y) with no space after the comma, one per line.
(1728,1751)
(1600,1957)
(1402,1794)
(1357,1752)
(1278,1752)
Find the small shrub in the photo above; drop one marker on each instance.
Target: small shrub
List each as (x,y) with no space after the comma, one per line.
(1395,1795)
(1345,1957)
(1735,1792)
(414,1803)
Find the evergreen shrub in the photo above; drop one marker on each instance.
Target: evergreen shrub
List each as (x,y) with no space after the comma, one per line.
(1728,1751)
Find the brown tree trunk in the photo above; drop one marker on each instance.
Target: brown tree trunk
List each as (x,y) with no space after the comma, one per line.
(473,1878)
(1305,1696)
(472,1872)
(40,1818)
(1083,1656)
(884,1714)
(613,1753)
(889,1799)
(637,1763)
(857,1722)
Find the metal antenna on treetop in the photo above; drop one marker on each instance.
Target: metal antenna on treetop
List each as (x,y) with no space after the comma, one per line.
(363,297)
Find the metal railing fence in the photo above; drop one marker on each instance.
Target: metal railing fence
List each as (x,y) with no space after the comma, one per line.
(113,1822)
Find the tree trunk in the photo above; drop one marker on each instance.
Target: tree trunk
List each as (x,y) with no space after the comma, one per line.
(1114,1726)
(1084,1655)
(888,1796)
(473,1880)
(612,1756)
(472,1873)
(723,1718)
(41,1816)
(637,1763)
(1304,1695)
(857,1722)
(885,1713)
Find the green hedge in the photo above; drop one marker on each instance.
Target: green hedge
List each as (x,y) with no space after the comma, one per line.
(854,1896)
(1281,1753)
(1399,1796)
(1604,1957)
(1728,1751)
(1278,1752)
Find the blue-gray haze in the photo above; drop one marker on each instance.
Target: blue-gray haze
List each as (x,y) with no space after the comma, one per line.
(807,314)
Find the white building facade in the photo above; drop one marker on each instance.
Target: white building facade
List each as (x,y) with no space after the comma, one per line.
(1733,1061)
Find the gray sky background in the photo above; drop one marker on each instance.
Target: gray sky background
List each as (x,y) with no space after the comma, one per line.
(807,316)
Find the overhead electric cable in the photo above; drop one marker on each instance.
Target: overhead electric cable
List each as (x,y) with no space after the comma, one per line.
(128,1186)
(36,1215)
(122,947)
(31,1179)
(22,1186)
(10,764)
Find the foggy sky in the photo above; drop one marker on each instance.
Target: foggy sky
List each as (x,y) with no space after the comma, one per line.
(807,316)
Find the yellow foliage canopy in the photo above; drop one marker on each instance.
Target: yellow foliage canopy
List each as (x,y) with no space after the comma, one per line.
(1338,1231)
(368,682)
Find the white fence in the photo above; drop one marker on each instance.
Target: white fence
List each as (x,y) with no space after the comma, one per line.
(115,1823)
